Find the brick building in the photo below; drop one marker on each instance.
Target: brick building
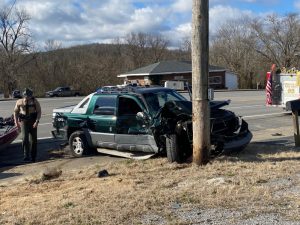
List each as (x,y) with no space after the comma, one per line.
(158,73)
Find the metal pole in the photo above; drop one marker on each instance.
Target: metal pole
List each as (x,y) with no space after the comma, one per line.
(201,110)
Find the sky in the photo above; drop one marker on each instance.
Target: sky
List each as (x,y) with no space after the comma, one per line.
(76,22)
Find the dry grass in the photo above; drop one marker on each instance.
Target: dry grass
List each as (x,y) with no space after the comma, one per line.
(149,192)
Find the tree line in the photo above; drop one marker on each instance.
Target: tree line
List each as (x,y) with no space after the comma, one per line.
(247,47)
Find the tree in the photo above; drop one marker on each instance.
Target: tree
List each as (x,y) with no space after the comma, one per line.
(145,48)
(278,39)
(51,45)
(14,43)
(234,48)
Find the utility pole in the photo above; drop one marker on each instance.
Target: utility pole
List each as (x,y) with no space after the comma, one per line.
(201,110)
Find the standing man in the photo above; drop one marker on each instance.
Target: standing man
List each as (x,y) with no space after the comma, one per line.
(27,114)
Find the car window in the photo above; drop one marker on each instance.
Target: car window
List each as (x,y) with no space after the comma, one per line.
(85,103)
(128,106)
(105,105)
(157,100)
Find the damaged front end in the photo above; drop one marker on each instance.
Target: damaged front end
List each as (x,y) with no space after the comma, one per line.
(229,133)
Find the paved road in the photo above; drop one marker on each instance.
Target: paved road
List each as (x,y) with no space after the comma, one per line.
(248,104)
(47,105)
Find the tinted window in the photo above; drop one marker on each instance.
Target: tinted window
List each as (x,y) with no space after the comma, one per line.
(128,106)
(105,105)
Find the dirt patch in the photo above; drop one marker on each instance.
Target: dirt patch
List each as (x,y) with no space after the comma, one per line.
(257,186)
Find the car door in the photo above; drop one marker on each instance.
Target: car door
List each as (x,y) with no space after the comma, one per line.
(102,120)
(67,92)
(132,134)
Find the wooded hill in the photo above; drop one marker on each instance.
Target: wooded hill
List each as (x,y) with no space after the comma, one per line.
(87,67)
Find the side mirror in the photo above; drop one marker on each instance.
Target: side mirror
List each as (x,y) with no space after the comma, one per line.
(141,116)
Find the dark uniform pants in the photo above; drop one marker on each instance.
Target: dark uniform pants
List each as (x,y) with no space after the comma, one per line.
(29,139)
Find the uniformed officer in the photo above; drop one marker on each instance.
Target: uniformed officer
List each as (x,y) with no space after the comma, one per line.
(27,114)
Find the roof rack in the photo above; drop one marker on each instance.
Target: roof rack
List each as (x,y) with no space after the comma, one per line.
(125,89)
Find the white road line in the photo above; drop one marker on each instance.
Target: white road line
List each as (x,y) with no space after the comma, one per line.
(42,124)
(260,115)
(241,107)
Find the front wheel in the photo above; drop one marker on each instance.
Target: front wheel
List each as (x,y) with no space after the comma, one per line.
(78,144)
(172,148)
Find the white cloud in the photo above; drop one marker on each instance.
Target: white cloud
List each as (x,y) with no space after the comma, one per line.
(220,14)
(182,6)
(297,5)
(87,21)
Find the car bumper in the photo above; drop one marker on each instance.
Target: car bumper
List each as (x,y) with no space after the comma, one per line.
(237,144)
(59,134)
(49,94)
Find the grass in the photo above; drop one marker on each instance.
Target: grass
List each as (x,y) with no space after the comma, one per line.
(257,181)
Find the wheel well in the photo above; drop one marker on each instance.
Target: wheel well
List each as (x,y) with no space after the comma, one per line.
(71,130)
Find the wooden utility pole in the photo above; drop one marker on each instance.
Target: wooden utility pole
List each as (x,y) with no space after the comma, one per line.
(201,110)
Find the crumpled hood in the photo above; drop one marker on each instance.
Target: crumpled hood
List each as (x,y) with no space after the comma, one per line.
(185,107)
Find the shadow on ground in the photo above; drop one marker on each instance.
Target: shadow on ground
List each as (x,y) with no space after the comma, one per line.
(281,149)
(12,156)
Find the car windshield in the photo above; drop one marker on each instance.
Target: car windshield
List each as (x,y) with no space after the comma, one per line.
(158,99)
(57,89)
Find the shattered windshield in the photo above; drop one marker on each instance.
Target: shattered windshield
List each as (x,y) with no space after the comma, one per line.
(158,99)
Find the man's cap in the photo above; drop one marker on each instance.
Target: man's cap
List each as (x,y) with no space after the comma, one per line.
(27,92)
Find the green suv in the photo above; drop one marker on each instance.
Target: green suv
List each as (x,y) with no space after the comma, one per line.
(154,120)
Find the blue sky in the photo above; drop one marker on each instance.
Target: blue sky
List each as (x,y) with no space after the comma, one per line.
(73,22)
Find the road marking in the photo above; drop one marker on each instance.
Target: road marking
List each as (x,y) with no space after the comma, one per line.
(47,114)
(42,124)
(260,115)
(241,107)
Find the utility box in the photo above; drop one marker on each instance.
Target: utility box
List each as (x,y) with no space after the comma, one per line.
(176,85)
(290,90)
(285,88)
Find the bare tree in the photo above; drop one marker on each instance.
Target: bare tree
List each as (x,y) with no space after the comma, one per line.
(137,43)
(14,43)
(157,47)
(146,48)
(51,45)
(278,39)
(234,48)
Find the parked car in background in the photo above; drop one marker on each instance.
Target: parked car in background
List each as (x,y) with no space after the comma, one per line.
(153,120)
(62,92)
(16,94)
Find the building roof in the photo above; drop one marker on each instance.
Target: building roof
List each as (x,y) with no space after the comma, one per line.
(167,67)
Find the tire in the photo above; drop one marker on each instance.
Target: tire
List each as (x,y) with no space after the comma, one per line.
(172,148)
(78,144)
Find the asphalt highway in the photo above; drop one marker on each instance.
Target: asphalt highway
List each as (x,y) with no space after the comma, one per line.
(248,104)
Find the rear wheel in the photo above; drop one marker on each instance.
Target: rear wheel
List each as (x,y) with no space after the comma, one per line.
(172,148)
(78,144)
